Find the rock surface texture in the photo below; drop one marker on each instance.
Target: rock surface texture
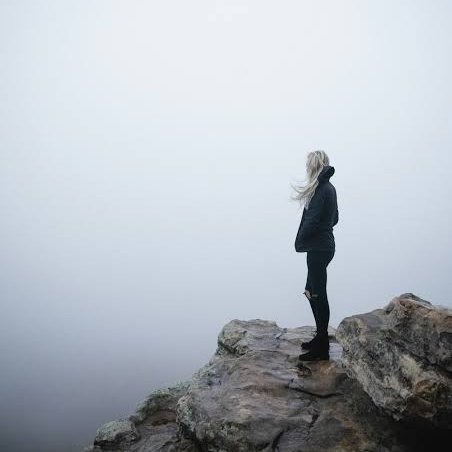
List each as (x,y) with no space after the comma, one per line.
(254,394)
(151,428)
(402,357)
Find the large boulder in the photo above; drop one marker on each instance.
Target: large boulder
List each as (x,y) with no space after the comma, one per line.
(402,357)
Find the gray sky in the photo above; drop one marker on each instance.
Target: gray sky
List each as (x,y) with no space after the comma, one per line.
(147,151)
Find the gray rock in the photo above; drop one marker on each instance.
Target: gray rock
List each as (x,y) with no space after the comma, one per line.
(402,357)
(152,428)
(252,396)
(116,432)
(161,403)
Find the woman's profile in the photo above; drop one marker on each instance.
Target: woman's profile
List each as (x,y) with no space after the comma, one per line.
(315,237)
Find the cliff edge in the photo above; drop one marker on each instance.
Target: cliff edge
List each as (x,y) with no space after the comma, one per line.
(386,387)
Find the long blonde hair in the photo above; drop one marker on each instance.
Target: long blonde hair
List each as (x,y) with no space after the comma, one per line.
(315,162)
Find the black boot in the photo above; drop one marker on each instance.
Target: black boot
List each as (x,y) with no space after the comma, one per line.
(319,349)
(308,345)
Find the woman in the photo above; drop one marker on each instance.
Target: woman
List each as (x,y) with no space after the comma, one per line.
(315,237)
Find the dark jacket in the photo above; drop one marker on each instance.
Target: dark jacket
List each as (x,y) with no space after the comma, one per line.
(316,227)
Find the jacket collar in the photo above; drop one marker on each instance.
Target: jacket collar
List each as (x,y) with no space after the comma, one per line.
(326,173)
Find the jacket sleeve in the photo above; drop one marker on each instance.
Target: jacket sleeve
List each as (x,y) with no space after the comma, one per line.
(336,217)
(312,215)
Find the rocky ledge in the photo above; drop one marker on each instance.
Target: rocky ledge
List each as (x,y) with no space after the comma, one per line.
(386,387)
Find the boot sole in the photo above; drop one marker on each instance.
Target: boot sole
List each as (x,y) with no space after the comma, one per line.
(323,357)
(308,346)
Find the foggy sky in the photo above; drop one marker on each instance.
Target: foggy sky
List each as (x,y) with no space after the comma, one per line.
(146,155)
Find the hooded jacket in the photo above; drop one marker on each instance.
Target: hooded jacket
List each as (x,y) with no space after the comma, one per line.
(316,226)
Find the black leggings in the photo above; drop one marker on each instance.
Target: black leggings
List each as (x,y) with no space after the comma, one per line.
(317,262)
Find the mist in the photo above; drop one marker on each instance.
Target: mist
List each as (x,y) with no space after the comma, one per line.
(147,153)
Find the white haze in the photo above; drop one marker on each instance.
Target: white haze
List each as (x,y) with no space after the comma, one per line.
(147,151)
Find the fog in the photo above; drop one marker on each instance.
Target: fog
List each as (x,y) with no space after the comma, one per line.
(147,150)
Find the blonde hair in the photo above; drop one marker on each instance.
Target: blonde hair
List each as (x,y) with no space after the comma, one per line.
(315,162)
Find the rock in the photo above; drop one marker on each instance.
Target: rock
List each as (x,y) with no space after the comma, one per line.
(116,432)
(92,449)
(151,428)
(402,357)
(389,366)
(160,404)
(252,396)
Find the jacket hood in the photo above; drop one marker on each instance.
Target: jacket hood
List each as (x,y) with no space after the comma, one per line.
(326,173)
